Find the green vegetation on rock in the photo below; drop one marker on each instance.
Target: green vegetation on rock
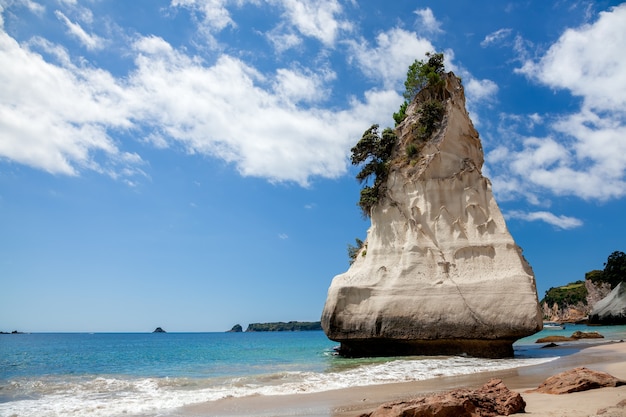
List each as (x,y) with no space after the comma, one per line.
(421,75)
(353,250)
(576,292)
(570,294)
(614,270)
(236,329)
(292,326)
(374,150)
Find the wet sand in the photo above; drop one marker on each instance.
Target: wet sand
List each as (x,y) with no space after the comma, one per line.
(608,357)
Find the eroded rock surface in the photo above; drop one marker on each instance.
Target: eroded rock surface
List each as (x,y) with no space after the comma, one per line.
(440,272)
(492,399)
(577,379)
(612,308)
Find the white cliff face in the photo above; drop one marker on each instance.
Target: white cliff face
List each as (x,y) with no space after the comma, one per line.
(612,308)
(440,272)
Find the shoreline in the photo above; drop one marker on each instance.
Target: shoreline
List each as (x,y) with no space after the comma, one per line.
(609,356)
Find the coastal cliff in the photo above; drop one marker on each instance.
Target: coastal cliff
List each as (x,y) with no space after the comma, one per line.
(439,273)
(292,326)
(572,303)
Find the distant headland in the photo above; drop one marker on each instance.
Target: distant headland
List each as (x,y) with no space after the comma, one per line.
(292,326)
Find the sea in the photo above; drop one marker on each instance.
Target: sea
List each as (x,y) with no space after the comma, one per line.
(150,374)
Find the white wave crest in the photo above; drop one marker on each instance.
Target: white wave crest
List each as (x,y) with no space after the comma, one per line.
(115,396)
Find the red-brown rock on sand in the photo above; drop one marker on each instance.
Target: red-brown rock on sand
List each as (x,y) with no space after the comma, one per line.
(492,399)
(578,379)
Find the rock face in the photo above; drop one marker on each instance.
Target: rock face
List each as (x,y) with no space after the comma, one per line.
(440,272)
(612,308)
(281,326)
(492,399)
(578,379)
(576,312)
(236,329)
(577,335)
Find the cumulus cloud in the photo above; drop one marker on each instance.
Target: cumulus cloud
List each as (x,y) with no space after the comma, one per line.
(586,62)
(56,118)
(389,59)
(224,111)
(215,15)
(427,21)
(582,153)
(319,19)
(481,90)
(63,117)
(561,222)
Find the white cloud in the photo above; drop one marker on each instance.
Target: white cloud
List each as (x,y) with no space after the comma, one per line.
(319,19)
(586,62)
(223,111)
(283,40)
(32,6)
(283,236)
(583,153)
(496,37)
(428,23)
(481,90)
(215,15)
(388,61)
(56,118)
(91,42)
(295,87)
(562,222)
(62,118)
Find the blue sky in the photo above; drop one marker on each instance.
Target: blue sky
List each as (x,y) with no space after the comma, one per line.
(185,164)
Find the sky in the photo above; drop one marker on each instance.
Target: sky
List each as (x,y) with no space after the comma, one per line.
(185,163)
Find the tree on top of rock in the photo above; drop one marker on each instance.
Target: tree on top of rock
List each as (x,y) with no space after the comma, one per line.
(374,152)
(421,75)
(424,74)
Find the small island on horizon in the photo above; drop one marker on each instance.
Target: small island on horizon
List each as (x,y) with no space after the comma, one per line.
(292,326)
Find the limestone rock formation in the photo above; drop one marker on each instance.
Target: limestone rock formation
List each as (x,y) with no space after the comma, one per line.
(612,308)
(492,399)
(439,272)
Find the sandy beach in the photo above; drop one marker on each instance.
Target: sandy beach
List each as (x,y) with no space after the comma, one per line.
(608,357)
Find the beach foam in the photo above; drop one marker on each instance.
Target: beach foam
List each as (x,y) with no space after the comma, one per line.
(113,396)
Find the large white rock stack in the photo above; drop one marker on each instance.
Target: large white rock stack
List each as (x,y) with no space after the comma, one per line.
(439,272)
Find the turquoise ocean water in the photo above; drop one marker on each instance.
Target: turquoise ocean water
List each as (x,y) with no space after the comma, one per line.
(125,374)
